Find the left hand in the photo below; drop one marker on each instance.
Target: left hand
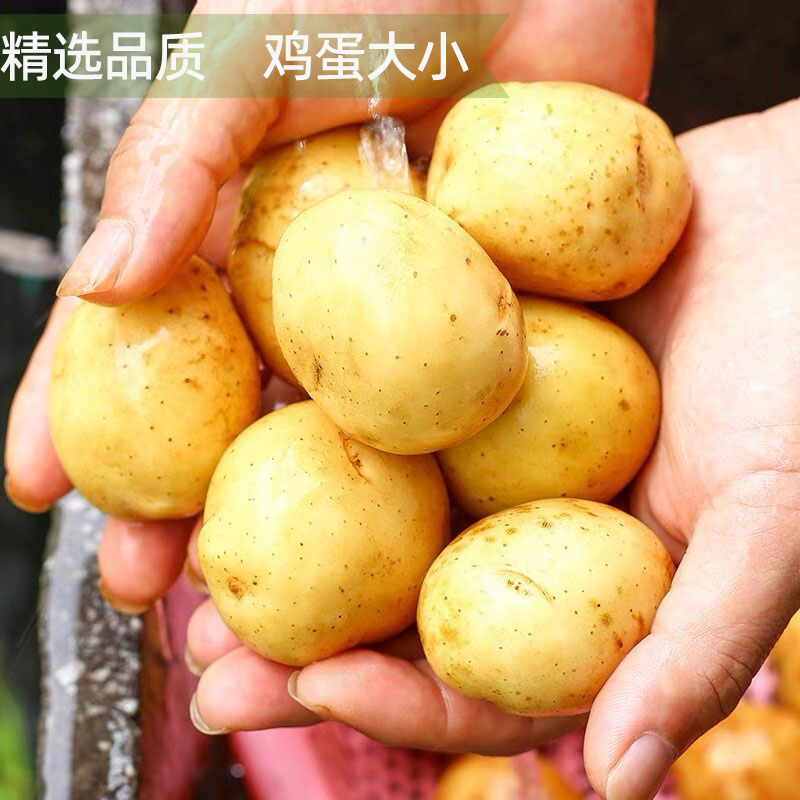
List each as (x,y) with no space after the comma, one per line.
(722,322)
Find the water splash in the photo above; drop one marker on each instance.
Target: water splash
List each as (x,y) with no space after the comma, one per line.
(383,154)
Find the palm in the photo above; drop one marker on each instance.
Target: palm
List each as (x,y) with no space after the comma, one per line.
(719,331)
(722,486)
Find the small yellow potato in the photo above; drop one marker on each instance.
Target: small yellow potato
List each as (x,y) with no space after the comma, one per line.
(285,182)
(144,398)
(574,191)
(785,660)
(581,426)
(751,755)
(533,608)
(312,542)
(395,321)
(530,775)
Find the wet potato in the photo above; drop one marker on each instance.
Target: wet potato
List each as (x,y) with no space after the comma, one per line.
(395,321)
(313,542)
(581,425)
(574,191)
(533,608)
(285,182)
(145,397)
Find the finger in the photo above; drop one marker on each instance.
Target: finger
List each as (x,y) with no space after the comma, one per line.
(214,247)
(139,561)
(402,703)
(34,476)
(161,190)
(567,48)
(734,591)
(242,691)
(192,568)
(208,638)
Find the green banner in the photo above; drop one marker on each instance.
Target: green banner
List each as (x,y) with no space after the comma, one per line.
(245,55)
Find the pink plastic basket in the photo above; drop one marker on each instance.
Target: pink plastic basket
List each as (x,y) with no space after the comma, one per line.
(333,762)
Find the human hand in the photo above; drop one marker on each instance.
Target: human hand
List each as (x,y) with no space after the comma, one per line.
(722,322)
(174,181)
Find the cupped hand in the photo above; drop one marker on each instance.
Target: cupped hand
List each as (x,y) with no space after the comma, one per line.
(174,181)
(722,488)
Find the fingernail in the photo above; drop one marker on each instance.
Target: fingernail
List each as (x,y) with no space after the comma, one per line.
(200,723)
(314,708)
(100,261)
(121,605)
(191,663)
(194,579)
(26,505)
(641,770)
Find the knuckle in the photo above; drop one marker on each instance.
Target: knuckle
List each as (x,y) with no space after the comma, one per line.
(729,666)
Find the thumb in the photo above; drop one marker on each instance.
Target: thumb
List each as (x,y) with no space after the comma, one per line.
(735,590)
(161,191)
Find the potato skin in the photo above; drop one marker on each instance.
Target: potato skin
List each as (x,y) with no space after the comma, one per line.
(395,321)
(751,754)
(474,777)
(581,425)
(534,607)
(144,398)
(312,542)
(285,182)
(574,191)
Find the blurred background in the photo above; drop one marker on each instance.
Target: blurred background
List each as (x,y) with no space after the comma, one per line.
(714,59)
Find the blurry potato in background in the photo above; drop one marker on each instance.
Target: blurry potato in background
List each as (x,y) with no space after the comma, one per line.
(754,754)
(785,660)
(474,777)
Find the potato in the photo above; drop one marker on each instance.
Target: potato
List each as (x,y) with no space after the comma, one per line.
(395,321)
(785,659)
(476,777)
(145,398)
(751,755)
(312,542)
(284,183)
(534,607)
(530,775)
(572,190)
(581,426)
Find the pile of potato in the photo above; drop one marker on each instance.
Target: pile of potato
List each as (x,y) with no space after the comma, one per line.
(438,373)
